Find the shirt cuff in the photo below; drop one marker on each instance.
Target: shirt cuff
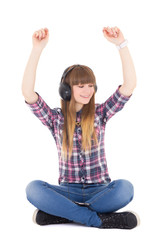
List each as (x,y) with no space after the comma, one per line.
(124,98)
(37,103)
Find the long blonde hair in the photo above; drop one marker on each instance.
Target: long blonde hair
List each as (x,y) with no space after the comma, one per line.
(78,75)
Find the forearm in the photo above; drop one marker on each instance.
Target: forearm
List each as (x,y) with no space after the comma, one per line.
(115,36)
(29,77)
(129,74)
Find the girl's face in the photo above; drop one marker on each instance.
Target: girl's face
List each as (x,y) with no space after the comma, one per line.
(82,94)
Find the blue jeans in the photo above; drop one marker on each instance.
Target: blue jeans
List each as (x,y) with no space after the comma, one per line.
(63,200)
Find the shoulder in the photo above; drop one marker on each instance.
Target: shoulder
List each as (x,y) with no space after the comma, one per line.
(117,96)
(58,110)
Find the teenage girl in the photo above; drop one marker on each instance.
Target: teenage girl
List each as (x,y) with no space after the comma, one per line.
(85,193)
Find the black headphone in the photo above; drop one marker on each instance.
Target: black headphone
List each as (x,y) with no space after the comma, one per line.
(64,88)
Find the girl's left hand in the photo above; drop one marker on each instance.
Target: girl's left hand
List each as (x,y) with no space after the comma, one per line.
(114,35)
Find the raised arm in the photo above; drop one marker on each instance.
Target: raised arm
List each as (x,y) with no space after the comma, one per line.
(114,35)
(39,39)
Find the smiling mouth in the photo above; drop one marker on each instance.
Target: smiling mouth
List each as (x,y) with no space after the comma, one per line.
(85,96)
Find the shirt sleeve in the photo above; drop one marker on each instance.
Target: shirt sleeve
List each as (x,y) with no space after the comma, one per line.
(112,105)
(43,112)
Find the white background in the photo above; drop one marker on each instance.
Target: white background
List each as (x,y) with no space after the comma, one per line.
(28,150)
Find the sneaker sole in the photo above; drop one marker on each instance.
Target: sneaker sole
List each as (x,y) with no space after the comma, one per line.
(34,216)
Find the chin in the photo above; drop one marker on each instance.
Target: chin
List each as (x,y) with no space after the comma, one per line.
(83,101)
(86,101)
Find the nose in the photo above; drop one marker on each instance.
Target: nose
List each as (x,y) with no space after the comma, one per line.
(87,90)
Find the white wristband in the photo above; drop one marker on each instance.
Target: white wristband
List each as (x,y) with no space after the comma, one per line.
(122,45)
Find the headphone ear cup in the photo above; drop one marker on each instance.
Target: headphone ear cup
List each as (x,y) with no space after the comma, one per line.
(65,91)
(95,87)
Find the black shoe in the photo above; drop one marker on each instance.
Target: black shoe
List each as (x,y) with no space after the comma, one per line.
(42,218)
(122,220)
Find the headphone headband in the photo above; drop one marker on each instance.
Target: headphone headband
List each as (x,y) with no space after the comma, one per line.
(67,70)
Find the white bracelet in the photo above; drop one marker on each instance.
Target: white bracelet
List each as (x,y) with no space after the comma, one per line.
(122,45)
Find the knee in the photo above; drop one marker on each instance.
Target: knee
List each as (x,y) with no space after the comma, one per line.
(32,189)
(126,190)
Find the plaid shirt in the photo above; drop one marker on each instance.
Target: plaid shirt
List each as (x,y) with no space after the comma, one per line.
(83,167)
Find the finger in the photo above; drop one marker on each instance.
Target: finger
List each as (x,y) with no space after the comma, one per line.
(39,34)
(113,30)
(107,31)
(116,32)
(36,34)
(116,29)
(46,30)
(42,33)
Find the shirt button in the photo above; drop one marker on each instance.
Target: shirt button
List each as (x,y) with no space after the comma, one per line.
(82,179)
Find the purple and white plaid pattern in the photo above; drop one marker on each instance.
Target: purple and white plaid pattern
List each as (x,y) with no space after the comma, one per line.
(82,167)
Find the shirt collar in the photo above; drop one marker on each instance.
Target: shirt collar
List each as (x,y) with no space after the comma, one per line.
(79,112)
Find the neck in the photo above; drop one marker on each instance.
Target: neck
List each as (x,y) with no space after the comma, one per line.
(78,107)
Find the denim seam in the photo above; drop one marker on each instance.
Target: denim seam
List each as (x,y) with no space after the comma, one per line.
(56,192)
(85,194)
(78,194)
(93,192)
(100,196)
(65,191)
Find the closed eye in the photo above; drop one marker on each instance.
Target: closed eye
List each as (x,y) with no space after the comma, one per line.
(81,86)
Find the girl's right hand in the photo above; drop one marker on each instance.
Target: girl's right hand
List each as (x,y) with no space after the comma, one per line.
(40,38)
